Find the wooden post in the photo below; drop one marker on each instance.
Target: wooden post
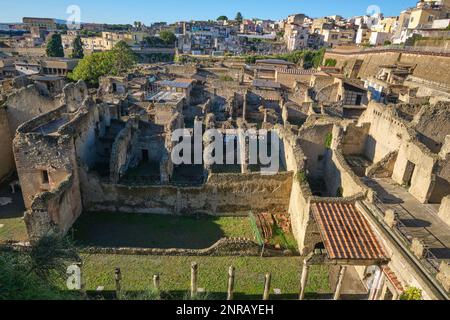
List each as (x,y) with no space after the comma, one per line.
(337,293)
(194,270)
(304,280)
(82,284)
(118,278)
(156,282)
(267,287)
(230,289)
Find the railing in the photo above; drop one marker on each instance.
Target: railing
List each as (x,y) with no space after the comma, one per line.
(400,228)
(432,260)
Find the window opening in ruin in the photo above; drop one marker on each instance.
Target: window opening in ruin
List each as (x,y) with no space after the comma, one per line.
(45,178)
(145,155)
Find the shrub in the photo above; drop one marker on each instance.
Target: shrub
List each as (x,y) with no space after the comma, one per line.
(300,176)
(328,140)
(411,293)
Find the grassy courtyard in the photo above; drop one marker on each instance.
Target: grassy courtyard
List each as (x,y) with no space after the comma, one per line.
(12,229)
(137,272)
(157,231)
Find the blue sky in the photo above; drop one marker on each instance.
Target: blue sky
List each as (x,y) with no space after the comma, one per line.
(147,11)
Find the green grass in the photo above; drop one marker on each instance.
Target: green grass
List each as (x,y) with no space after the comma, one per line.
(13,230)
(157,231)
(286,240)
(137,272)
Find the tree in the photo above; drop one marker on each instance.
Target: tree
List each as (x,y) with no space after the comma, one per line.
(77,52)
(168,37)
(92,67)
(38,272)
(123,57)
(55,47)
(239,17)
(222,18)
(99,64)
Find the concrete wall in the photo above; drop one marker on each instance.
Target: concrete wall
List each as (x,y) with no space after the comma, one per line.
(6,154)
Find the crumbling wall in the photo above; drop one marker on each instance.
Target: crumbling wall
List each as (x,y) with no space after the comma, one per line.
(6,154)
(313,143)
(340,179)
(304,227)
(73,95)
(414,154)
(123,152)
(386,131)
(54,211)
(26,104)
(290,79)
(355,138)
(427,67)
(223,194)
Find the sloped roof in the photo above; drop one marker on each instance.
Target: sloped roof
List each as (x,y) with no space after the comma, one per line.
(346,233)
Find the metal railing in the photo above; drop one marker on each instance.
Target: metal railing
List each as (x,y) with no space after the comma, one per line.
(401,229)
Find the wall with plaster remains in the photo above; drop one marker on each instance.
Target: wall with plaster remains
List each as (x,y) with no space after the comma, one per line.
(222,194)
(6,154)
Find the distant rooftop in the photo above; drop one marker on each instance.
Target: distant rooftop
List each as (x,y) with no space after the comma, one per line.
(178,83)
(266,84)
(167,96)
(275,61)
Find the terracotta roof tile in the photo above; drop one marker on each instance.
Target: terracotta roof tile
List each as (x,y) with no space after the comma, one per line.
(346,232)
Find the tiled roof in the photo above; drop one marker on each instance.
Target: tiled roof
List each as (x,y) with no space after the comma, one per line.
(390,275)
(346,232)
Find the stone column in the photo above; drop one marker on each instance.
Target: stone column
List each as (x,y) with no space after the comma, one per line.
(244,107)
(304,280)
(337,292)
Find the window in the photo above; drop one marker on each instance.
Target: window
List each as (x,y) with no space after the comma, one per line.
(45,178)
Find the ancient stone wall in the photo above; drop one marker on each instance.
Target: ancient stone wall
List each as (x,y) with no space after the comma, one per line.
(6,154)
(123,152)
(428,67)
(223,194)
(413,154)
(289,80)
(385,134)
(312,141)
(340,178)
(223,247)
(355,138)
(27,103)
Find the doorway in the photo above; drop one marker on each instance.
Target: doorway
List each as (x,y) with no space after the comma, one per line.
(409,173)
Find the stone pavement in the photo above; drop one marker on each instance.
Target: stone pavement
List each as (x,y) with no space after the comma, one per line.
(419,220)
